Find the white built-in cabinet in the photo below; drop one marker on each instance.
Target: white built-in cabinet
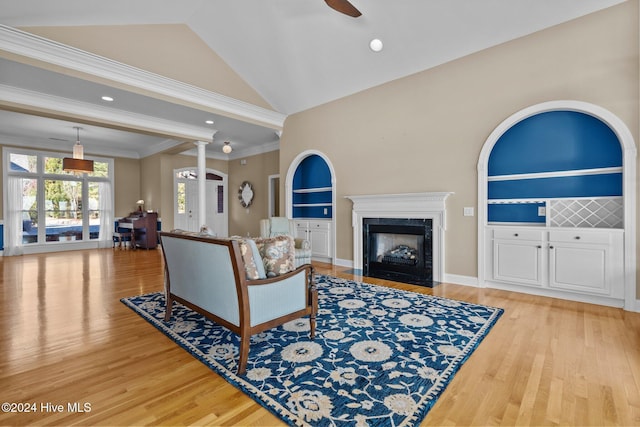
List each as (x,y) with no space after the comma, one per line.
(318,233)
(588,262)
(312,197)
(553,188)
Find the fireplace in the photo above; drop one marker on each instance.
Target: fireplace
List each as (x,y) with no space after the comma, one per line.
(417,208)
(398,249)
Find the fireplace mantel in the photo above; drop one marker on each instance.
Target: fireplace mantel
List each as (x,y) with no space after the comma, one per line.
(428,205)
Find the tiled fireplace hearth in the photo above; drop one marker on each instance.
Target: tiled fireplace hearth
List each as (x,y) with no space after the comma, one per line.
(396,209)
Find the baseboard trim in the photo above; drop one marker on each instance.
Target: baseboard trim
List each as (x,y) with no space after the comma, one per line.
(343,262)
(458,279)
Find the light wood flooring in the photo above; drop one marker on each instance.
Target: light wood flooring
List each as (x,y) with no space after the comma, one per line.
(66,339)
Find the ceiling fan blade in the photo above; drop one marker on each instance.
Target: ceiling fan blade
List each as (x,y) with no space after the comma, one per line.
(343,6)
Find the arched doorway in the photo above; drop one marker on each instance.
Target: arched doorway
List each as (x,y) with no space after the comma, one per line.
(537,273)
(310,198)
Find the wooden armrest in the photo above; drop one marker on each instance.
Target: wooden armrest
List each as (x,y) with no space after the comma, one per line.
(280,277)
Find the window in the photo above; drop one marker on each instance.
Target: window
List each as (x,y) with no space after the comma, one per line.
(49,205)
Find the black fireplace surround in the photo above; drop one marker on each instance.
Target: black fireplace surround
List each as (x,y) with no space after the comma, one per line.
(398,249)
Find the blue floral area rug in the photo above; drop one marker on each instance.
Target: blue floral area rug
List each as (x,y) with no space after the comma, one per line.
(381,356)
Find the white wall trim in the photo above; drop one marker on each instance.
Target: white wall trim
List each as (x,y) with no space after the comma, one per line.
(428,205)
(343,262)
(39,48)
(458,279)
(629,187)
(237,154)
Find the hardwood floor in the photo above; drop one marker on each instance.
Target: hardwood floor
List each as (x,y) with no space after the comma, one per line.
(67,340)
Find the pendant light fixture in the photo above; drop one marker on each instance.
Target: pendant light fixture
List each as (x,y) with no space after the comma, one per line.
(226,148)
(77,162)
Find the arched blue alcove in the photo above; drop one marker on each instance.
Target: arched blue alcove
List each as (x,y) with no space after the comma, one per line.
(312,189)
(549,175)
(550,155)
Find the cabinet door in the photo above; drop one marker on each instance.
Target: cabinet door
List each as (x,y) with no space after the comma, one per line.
(302,230)
(320,239)
(517,261)
(579,267)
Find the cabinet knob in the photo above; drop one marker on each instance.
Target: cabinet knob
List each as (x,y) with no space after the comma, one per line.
(577,237)
(539,246)
(516,234)
(550,247)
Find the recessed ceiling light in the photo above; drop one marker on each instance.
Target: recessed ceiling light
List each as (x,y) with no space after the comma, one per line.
(107,98)
(209,122)
(375,45)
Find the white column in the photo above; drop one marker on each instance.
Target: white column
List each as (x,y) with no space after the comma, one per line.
(202,180)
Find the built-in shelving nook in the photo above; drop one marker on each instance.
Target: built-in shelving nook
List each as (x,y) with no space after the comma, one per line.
(310,200)
(557,205)
(312,189)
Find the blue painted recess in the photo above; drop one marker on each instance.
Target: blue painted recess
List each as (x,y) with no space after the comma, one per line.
(555,141)
(310,181)
(312,212)
(312,172)
(568,186)
(521,212)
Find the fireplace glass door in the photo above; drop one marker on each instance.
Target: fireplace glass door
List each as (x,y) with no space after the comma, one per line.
(398,249)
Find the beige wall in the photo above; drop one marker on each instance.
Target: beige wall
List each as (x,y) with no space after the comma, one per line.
(126,185)
(425,132)
(171,50)
(243,222)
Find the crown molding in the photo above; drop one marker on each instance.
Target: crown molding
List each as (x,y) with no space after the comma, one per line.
(237,154)
(48,51)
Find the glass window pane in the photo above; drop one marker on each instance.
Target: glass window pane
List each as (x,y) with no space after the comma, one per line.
(187,174)
(94,210)
(100,169)
(182,206)
(29,211)
(63,210)
(23,163)
(220,199)
(53,165)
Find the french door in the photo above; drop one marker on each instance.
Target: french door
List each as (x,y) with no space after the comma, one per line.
(187,202)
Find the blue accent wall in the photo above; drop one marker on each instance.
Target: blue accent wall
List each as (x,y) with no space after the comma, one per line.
(555,141)
(312,212)
(569,186)
(521,212)
(312,172)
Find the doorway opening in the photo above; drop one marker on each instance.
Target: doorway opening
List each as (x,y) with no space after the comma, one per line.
(186,201)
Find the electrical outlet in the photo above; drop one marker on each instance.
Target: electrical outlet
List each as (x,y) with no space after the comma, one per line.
(468,211)
(542,211)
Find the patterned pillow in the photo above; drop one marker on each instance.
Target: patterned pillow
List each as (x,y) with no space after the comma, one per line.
(277,254)
(253,265)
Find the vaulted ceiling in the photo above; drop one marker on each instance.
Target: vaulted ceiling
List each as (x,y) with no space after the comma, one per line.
(296,54)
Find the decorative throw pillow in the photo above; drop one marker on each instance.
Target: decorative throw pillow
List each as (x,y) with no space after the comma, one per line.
(206,231)
(277,254)
(253,265)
